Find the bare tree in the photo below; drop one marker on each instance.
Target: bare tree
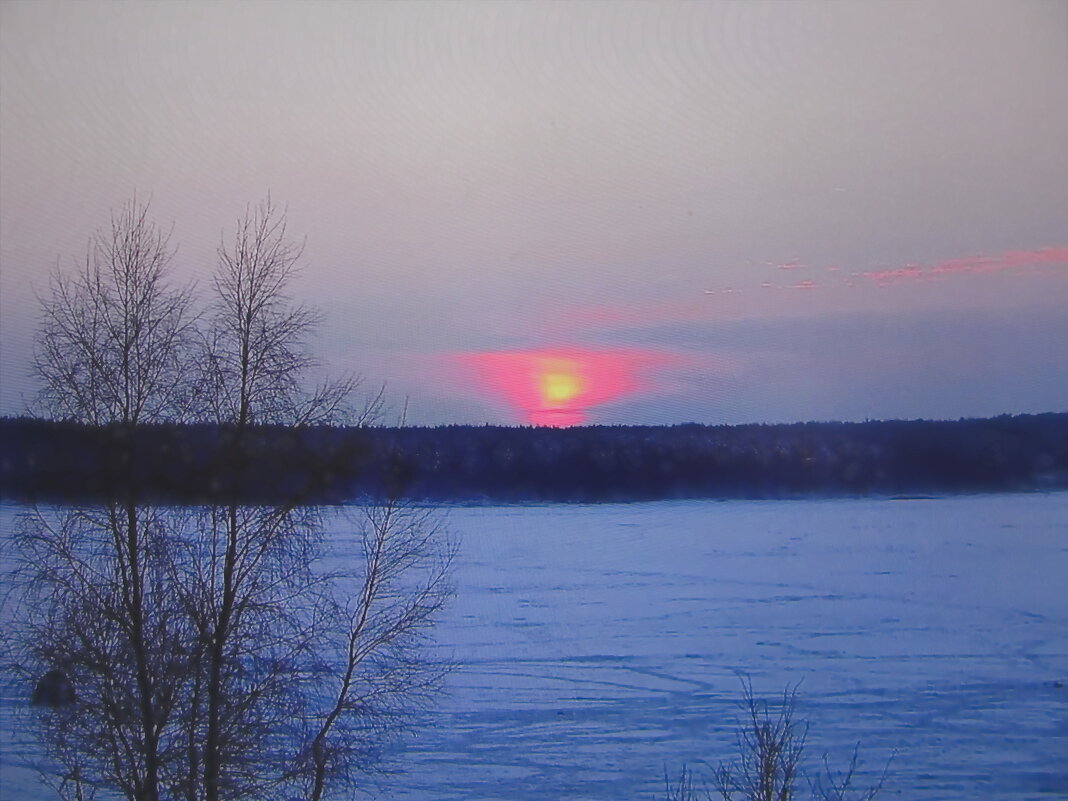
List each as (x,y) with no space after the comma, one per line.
(255,568)
(253,363)
(213,656)
(111,351)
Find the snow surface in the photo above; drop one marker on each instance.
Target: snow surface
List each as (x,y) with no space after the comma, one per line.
(599,645)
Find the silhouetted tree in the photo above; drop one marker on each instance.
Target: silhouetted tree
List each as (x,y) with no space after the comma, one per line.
(254,571)
(210,655)
(113,349)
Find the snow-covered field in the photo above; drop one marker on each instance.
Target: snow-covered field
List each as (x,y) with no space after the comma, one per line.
(598,645)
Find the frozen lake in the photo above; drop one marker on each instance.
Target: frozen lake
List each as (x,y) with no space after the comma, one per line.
(598,645)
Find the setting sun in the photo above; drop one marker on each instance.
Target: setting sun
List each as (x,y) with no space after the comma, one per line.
(558,388)
(559,383)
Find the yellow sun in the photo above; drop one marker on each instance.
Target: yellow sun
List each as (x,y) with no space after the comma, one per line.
(558,387)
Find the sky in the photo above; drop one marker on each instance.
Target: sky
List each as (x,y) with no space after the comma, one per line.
(584,212)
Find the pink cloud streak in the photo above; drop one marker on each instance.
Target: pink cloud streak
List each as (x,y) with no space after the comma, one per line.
(970,265)
(1051,260)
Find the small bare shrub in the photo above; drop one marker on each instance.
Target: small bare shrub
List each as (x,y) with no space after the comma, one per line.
(840,787)
(682,789)
(768,767)
(770,745)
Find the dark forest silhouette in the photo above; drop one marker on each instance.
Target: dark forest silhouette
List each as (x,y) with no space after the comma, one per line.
(45,460)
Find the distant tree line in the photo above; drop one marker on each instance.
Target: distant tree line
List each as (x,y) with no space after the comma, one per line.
(48,460)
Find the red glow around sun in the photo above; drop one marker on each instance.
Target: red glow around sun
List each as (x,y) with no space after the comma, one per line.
(557,388)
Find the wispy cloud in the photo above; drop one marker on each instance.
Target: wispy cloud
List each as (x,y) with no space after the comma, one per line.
(712,300)
(1009,261)
(1019,261)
